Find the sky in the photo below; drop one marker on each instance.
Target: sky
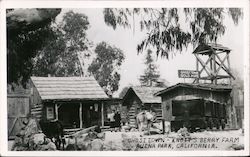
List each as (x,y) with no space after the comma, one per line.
(133,66)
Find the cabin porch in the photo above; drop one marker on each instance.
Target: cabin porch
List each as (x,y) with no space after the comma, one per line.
(73,115)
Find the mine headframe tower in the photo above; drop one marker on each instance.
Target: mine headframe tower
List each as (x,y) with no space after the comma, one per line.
(212,63)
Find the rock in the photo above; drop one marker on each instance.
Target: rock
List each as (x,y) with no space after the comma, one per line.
(70,147)
(97,145)
(18,141)
(29,138)
(112,145)
(83,143)
(20,148)
(31,128)
(51,146)
(39,138)
(183,132)
(47,140)
(21,133)
(101,135)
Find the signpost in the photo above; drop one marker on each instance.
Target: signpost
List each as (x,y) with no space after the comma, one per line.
(188,74)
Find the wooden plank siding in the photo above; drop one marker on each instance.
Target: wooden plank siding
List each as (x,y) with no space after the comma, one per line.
(18,110)
(139,97)
(184,92)
(189,93)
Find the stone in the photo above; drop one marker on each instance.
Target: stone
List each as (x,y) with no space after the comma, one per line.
(97,145)
(39,138)
(51,146)
(183,132)
(47,140)
(18,141)
(31,128)
(29,138)
(101,135)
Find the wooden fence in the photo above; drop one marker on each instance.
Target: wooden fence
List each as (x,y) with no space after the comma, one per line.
(18,109)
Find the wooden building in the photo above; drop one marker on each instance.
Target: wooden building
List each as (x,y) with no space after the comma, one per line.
(76,101)
(137,98)
(201,105)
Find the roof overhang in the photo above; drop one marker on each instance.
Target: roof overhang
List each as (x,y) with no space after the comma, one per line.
(195,86)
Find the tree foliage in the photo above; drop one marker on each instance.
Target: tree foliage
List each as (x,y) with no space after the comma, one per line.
(28,30)
(166,33)
(151,74)
(105,67)
(60,56)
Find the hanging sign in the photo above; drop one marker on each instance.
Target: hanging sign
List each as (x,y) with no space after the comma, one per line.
(188,74)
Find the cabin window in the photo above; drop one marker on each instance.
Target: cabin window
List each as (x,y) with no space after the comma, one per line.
(50,112)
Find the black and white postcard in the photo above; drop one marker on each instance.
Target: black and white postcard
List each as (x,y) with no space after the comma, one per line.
(126,78)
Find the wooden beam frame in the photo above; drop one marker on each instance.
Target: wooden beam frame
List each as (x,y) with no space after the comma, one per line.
(224,67)
(197,69)
(228,63)
(222,63)
(214,68)
(205,66)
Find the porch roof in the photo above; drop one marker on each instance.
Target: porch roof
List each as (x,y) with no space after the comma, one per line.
(68,88)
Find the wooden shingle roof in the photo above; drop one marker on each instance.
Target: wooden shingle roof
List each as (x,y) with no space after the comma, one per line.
(68,88)
(146,94)
(202,86)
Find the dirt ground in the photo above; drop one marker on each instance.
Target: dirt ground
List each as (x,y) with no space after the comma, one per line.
(206,140)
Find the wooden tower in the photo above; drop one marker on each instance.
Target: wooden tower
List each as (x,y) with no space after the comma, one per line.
(212,63)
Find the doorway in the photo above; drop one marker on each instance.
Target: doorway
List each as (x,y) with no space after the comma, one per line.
(68,114)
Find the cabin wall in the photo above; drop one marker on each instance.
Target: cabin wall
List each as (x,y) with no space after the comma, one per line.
(133,106)
(167,104)
(167,110)
(189,93)
(36,103)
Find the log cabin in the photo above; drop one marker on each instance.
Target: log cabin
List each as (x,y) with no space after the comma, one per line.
(137,98)
(78,102)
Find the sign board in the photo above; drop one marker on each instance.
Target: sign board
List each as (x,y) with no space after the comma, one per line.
(188,74)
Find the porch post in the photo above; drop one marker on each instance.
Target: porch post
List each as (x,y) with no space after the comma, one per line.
(102,110)
(80,114)
(56,111)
